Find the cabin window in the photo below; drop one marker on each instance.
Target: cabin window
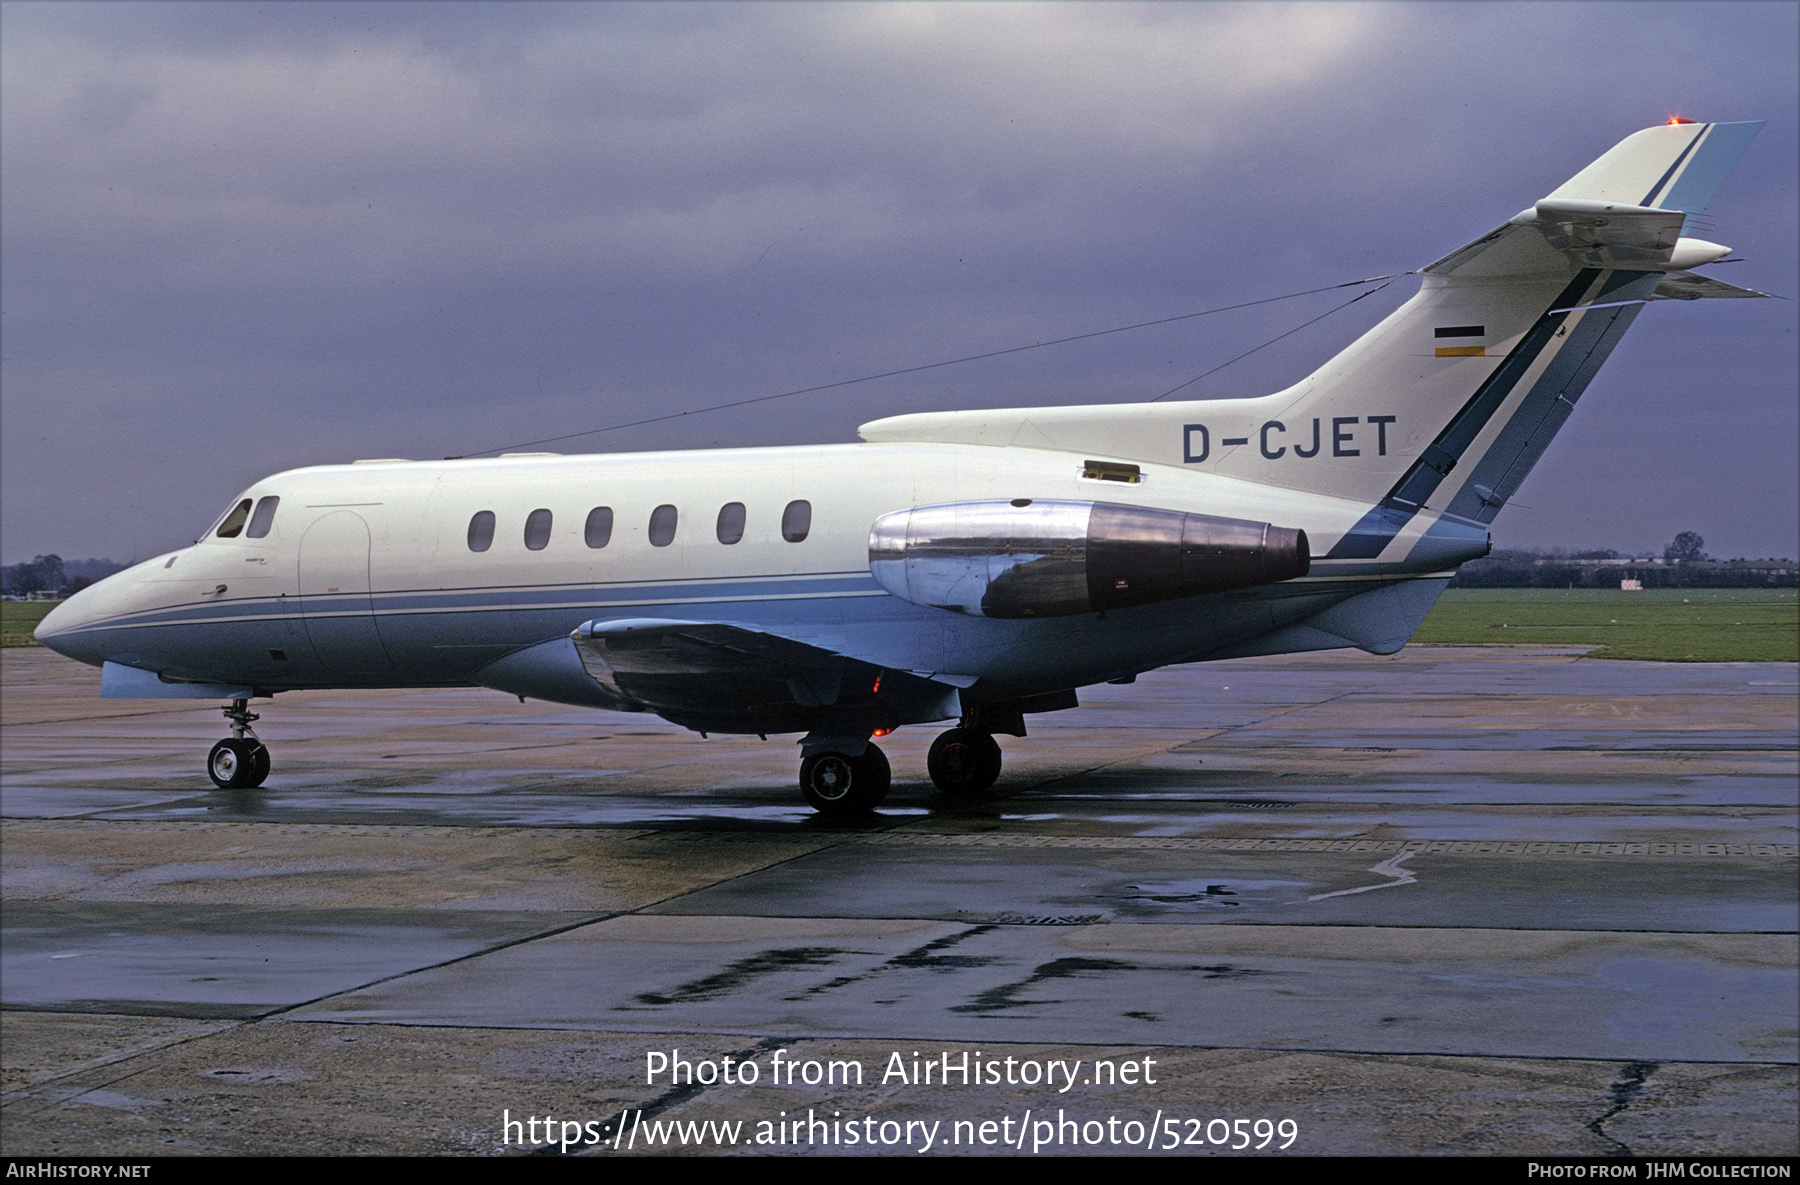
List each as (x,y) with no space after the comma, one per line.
(731,522)
(599,526)
(662,526)
(796,520)
(233,525)
(264,518)
(537,530)
(481,530)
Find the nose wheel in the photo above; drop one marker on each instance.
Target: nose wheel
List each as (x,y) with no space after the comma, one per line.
(964,763)
(840,785)
(240,761)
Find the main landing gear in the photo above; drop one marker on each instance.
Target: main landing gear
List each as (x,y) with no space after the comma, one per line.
(841,784)
(964,763)
(240,761)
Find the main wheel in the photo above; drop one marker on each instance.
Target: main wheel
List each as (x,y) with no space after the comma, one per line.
(237,764)
(839,785)
(963,763)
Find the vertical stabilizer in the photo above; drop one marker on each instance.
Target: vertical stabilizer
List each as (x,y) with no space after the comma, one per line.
(1450,400)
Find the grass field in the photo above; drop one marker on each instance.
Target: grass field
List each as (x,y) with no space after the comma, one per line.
(1665,625)
(1668,625)
(18,618)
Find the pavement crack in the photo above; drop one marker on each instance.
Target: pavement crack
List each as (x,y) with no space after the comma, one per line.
(583,919)
(1388,868)
(1624,1089)
(21,1100)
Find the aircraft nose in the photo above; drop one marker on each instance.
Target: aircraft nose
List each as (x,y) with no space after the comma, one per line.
(61,631)
(53,631)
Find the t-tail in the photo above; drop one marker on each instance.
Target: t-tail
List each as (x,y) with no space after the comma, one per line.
(1447,403)
(1482,367)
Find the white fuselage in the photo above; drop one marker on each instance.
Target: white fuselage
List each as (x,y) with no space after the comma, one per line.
(366,575)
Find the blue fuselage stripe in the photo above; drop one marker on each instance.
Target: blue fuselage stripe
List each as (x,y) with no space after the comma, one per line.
(1371,535)
(602,597)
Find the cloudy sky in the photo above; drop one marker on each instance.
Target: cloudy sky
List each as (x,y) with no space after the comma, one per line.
(239,238)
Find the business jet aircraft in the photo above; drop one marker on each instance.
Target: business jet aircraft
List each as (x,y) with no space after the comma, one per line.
(977,566)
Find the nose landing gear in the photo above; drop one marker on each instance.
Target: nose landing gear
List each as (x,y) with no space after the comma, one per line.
(241,761)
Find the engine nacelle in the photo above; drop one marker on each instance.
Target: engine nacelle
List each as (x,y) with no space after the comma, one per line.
(1029,558)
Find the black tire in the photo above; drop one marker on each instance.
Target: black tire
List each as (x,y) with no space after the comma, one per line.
(259,769)
(839,785)
(237,765)
(964,763)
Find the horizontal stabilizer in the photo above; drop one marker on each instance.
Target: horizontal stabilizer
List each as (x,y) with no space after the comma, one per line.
(1693,286)
(1603,234)
(1626,210)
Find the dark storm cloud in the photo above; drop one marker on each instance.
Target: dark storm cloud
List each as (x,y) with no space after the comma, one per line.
(244,237)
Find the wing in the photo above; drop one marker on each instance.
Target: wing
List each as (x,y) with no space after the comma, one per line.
(719,676)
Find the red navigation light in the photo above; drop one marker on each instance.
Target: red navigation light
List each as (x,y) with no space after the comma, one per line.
(1675,119)
(881,732)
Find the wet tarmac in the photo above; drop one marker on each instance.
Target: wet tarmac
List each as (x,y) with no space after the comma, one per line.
(1498,900)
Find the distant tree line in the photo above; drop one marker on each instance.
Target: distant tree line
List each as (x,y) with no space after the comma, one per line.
(51,575)
(1682,564)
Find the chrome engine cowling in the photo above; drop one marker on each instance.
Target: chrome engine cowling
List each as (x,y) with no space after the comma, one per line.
(1035,558)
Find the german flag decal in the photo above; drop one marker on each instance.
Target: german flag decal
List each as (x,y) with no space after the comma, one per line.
(1444,331)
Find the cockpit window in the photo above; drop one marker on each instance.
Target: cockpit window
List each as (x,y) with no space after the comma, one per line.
(264,518)
(233,526)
